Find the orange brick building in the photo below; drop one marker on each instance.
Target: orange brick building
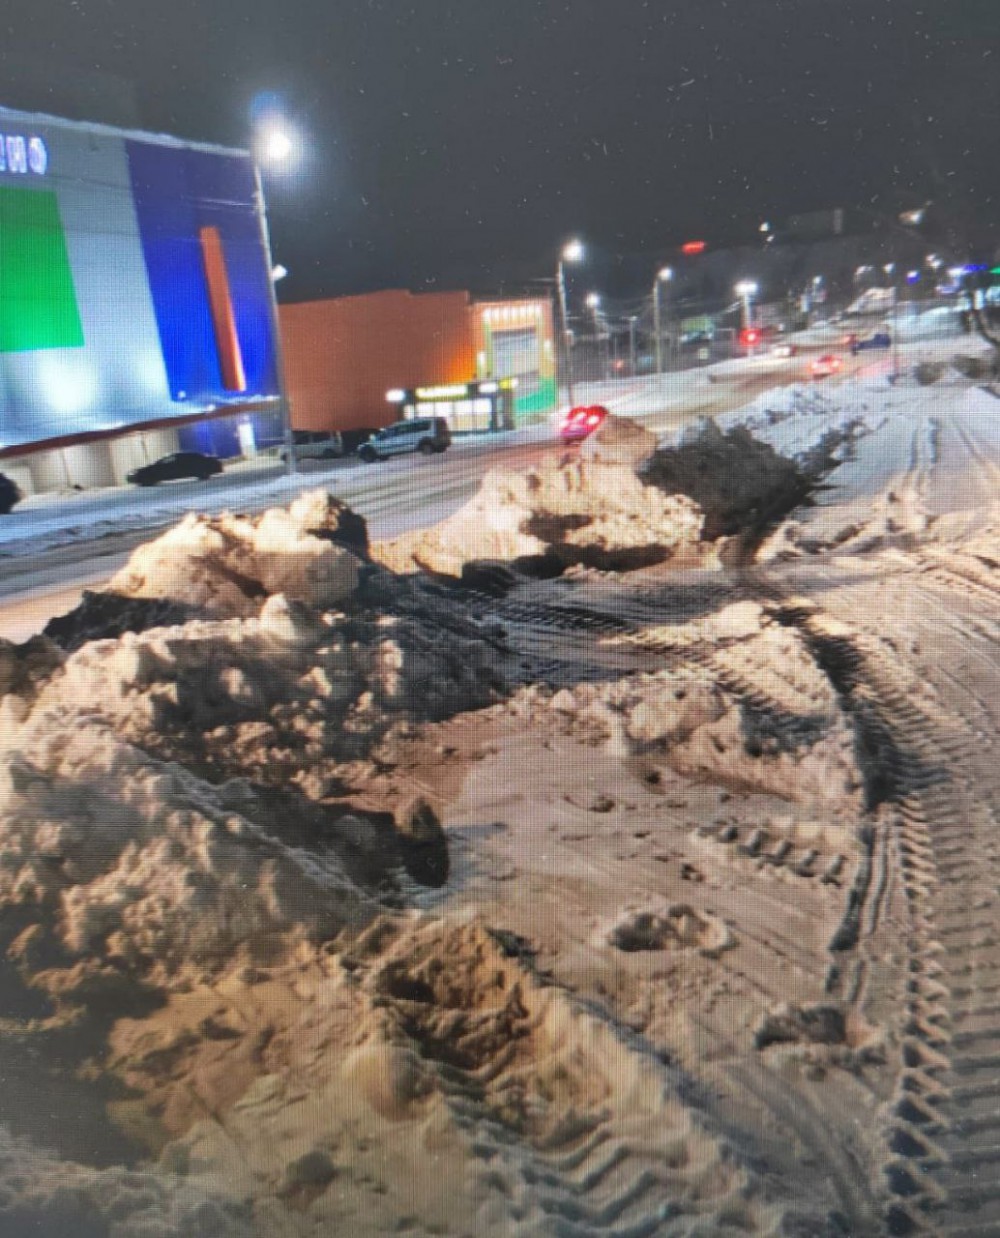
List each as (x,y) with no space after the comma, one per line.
(341,356)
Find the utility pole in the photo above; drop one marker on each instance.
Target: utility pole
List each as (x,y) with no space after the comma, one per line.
(746,290)
(288,439)
(662,276)
(600,335)
(890,269)
(631,342)
(571,252)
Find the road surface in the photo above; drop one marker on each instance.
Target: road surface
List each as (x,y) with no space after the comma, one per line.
(394,496)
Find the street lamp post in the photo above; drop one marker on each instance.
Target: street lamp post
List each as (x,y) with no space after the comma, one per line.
(572,251)
(746,290)
(594,305)
(890,270)
(274,146)
(662,276)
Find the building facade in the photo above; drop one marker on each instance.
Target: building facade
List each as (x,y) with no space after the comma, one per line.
(136,305)
(343,356)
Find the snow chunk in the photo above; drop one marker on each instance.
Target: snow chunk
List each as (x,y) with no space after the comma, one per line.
(227,565)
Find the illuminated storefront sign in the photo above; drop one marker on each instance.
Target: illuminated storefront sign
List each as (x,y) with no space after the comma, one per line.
(454,392)
(21,155)
(467,407)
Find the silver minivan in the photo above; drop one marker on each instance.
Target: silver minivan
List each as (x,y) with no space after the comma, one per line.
(315,445)
(428,435)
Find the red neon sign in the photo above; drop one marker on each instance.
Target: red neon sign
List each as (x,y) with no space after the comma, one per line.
(693,247)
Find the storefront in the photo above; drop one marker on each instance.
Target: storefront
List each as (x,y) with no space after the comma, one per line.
(514,340)
(467,407)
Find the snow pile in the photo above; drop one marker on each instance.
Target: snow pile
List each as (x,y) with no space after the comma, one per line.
(123,862)
(796,420)
(100,615)
(24,667)
(227,565)
(796,742)
(50,1198)
(881,520)
(280,694)
(589,509)
(739,482)
(193,791)
(618,440)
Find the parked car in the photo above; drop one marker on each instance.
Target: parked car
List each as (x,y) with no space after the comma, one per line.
(353,439)
(175,467)
(428,435)
(784,350)
(826,366)
(315,445)
(10,494)
(581,421)
(881,339)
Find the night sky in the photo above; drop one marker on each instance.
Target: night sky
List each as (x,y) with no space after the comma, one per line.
(455,143)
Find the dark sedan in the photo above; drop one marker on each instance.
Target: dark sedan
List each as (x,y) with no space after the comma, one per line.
(10,494)
(180,465)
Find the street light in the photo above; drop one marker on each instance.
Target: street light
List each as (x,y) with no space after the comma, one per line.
(663,276)
(890,269)
(600,330)
(273,147)
(746,290)
(633,319)
(572,251)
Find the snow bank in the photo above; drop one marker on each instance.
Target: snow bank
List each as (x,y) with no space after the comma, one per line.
(226,565)
(186,793)
(589,509)
(800,747)
(50,1198)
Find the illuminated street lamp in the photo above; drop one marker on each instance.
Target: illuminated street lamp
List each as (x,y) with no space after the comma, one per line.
(663,276)
(572,251)
(274,146)
(600,329)
(746,290)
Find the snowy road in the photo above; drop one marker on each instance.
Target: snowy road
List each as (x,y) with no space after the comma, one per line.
(53,546)
(743,823)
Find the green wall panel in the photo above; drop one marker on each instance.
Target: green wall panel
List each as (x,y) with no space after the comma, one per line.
(38,306)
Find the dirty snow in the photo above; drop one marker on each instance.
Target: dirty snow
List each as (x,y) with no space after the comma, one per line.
(344,901)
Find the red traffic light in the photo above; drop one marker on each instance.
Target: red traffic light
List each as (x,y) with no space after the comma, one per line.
(693,247)
(749,335)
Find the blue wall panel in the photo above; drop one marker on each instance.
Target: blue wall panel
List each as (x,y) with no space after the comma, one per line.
(177,192)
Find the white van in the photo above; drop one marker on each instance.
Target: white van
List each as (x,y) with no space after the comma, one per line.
(315,445)
(428,435)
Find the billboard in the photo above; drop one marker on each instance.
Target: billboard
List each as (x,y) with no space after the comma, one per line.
(134,281)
